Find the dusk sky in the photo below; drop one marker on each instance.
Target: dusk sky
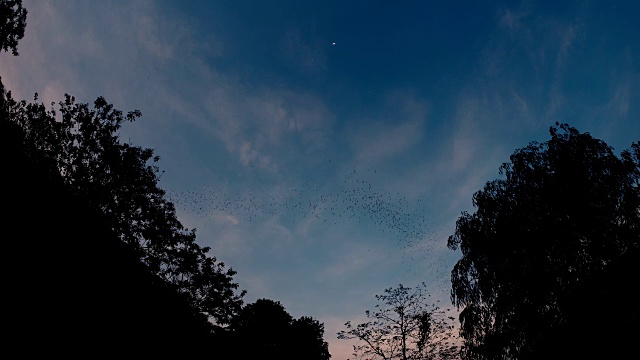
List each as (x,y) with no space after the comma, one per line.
(325,149)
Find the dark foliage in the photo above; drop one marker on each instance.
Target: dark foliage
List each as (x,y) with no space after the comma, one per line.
(118,180)
(265,330)
(13,20)
(72,288)
(543,243)
(601,315)
(307,340)
(97,261)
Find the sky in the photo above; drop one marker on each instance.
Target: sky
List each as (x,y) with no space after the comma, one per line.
(325,149)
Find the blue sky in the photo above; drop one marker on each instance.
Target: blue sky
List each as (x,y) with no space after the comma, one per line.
(324,173)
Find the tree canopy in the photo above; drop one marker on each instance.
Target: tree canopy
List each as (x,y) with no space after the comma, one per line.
(264,329)
(88,232)
(404,325)
(563,211)
(121,181)
(13,21)
(106,242)
(74,285)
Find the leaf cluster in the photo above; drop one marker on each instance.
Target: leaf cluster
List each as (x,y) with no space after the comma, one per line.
(13,21)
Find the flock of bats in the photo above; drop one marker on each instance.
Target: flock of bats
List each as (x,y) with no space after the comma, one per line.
(356,200)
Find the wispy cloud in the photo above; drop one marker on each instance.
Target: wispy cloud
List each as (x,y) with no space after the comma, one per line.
(260,126)
(266,126)
(624,89)
(527,55)
(380,139)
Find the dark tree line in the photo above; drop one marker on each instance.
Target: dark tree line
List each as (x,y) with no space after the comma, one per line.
(265,330)
(98,260)
(71,287)
(121,181)
(558,230)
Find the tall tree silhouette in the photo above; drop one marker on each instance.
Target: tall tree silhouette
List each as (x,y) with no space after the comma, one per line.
(563,213)
(405,326)
(265,330)
(74,286)
(121,181)
(84,261)
(13,21)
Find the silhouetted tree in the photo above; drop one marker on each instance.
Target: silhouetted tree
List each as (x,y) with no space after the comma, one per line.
(13,20)
(121,181)
(265,330)
(307,340)
(73,285)
(84,261)
(564,211)
(403,326)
